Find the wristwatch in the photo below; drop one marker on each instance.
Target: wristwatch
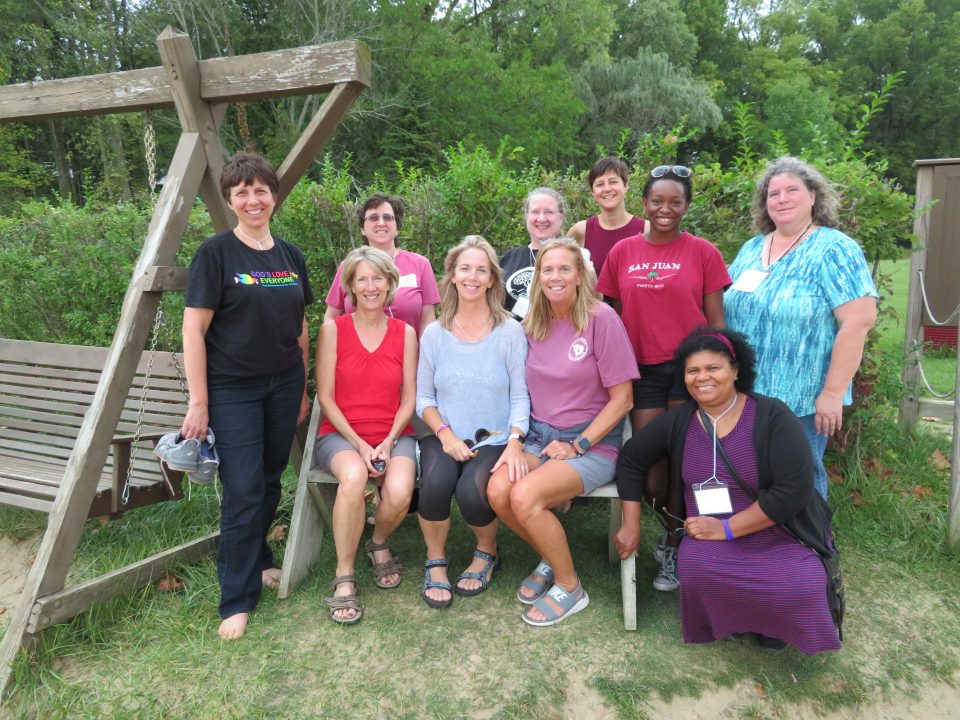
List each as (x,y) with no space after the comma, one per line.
(517,436)
(581,445)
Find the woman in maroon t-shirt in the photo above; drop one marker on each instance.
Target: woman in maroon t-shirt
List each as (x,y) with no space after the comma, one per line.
(608,180)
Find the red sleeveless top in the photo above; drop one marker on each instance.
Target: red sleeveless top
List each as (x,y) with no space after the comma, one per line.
(367,384)
(599,241)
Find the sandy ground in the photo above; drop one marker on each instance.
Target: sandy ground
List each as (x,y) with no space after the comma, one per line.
(14,556)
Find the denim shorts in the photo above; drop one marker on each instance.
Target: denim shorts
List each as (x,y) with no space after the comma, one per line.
(329,444)
(595,470)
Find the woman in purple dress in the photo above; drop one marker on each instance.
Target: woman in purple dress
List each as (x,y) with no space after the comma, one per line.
(742,572)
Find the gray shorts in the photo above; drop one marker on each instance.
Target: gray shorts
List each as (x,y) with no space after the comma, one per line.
(329,444)
(595,470)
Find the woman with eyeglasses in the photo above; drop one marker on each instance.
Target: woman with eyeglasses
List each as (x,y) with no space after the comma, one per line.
(472,394)
(609,181)
(545,211)
(366,369)
(663,283)
(381,217)
(754,527)
(804,296)
(579,376)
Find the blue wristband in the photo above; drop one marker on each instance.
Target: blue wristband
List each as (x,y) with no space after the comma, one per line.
(726,530)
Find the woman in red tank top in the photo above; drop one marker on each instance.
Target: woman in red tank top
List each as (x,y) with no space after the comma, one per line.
(366,385)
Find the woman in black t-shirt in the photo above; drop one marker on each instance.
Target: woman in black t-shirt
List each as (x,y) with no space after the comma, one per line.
(245,348)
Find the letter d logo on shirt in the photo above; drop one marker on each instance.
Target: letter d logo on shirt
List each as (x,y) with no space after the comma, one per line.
(578,350)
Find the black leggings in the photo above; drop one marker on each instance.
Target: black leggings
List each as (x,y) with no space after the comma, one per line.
(441,476)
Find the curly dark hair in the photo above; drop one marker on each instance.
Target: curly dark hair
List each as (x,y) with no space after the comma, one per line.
(726,342)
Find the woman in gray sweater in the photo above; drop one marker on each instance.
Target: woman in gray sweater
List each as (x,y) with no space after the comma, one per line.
(472,393)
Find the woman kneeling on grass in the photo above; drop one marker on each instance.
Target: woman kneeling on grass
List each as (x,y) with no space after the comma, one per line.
(742,465)
(579,372)
(366,368)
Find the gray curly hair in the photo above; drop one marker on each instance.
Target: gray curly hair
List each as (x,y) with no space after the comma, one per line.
(826,200)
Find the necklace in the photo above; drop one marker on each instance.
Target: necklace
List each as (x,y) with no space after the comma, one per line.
(483,331)
(714,432)
(789,247)
(253,239)
(719,417)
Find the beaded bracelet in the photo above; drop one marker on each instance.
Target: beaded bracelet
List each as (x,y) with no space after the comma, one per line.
(440,429)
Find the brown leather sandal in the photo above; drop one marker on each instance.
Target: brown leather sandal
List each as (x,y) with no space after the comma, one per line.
(344,602)
(382,569)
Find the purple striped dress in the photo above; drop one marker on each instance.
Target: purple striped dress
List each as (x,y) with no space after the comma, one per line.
(765,583)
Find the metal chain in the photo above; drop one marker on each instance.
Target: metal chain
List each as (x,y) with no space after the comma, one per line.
(150,151)
(138,429)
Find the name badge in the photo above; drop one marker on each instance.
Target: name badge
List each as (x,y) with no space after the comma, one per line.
(521,307)
(750,280)
(407,281)
(713,498)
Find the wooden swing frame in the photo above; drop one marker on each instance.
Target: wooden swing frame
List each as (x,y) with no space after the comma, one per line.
(200,91)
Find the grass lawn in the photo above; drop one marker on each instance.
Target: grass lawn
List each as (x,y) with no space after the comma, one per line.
(156,655)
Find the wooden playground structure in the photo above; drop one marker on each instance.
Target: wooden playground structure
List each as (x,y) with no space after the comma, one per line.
(83,469)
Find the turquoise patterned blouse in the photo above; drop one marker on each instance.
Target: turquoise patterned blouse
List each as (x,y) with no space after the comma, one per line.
(789,318)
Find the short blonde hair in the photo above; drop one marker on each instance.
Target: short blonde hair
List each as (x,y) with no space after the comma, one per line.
(379,261)
(540,315)
(450,300)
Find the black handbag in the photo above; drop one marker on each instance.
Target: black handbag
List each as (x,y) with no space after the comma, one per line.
(810,527)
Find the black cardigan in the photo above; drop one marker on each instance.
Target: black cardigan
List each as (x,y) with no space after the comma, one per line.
(784,461)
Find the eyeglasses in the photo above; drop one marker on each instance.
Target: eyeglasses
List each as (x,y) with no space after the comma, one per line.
(546,213)
(677,532)
(679,170)
(375,218)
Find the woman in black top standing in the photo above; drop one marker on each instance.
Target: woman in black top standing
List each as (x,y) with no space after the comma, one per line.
(245,348)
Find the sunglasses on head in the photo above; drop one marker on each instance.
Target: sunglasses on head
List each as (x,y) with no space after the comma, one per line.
(679,170)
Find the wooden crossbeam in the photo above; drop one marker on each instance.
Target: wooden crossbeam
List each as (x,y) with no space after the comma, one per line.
(247,78)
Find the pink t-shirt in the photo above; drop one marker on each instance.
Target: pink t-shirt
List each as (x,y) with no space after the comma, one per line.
(418,287)
(568,373)
(661,289)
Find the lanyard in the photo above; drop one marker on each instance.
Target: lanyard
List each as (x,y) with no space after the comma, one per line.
(713,428)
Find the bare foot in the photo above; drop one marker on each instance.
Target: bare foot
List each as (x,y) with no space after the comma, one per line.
(476,565)
(270,577)
(439,574)
(234,626)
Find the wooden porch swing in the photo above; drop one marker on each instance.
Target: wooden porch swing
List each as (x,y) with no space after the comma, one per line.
(66,412)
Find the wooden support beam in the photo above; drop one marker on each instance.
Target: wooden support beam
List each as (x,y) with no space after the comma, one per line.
(196,116)
(245,78)
(61,606)
(913,323)
(69,513)
(164,279)
(315,136)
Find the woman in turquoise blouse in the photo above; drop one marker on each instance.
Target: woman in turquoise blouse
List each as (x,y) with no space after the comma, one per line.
(803,295)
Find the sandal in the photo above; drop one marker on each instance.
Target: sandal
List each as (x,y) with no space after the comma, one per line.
(429,584)
(557,605)
(492,561)
(382,569)
(344,602)
(539,581)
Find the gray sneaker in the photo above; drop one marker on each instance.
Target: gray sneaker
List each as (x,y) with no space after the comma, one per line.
(666,580)
(177,453)
(661,546)
(208,463)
